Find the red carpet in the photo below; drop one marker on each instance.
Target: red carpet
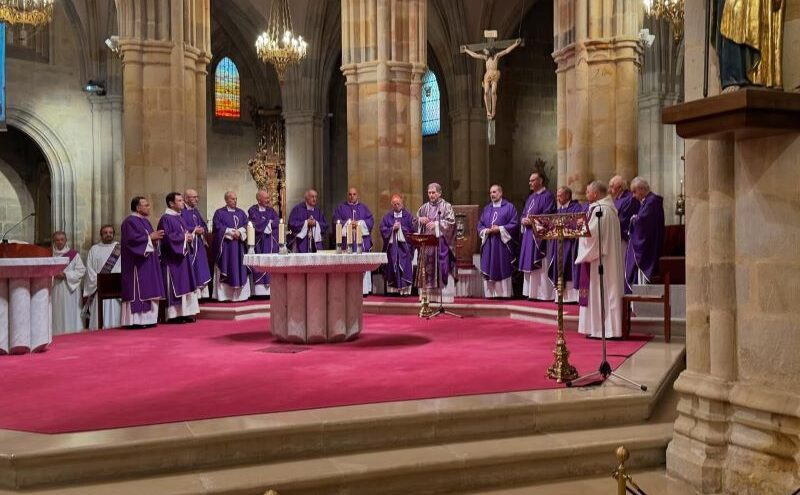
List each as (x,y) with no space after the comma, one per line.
(118,378)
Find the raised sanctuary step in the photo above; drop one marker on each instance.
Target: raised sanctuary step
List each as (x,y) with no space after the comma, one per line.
(440,468)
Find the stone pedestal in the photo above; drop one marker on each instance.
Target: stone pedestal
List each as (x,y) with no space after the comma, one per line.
(384,51)
(316,297)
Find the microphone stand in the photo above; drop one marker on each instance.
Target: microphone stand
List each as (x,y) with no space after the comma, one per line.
(4,240)
(440,310)
(604,371)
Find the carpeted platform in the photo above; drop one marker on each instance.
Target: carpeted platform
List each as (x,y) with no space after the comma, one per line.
(209,369)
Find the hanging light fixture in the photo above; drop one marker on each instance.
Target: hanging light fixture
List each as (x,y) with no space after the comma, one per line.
(671,11)
(34,13)
(279,45)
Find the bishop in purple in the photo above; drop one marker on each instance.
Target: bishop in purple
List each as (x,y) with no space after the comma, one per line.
(175,248)
(142,283)
(437,217)
(265,222)
(646,236)
(306,225)
(231,282)
(352,214)
(498,229)
(395,227)
(198,257)
(569,248)
(533,252)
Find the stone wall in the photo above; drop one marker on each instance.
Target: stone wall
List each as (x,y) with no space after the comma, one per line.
(14,200)
(739,411)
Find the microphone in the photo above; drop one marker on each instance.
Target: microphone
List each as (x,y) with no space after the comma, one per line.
(599,212)
(4,240)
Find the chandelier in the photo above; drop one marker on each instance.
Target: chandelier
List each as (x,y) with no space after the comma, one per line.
(31,12)
(278,45)
(671,11)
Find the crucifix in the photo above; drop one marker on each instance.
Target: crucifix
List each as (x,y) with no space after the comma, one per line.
(491,52)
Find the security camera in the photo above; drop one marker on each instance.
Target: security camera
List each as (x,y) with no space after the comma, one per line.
(646,38)
(112,43)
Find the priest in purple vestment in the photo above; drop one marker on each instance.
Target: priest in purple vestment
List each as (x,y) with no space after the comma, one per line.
(437,217)
(498,229)
(175,250)
(355,218)
(142,283)
(198,257)
(569,248)
(306,225)
(646,235)
(533,252)
(231,281)
(627,206)
(395,227)
(265,222)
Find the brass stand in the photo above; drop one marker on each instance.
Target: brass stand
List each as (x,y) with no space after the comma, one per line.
(561,370)
(425,310)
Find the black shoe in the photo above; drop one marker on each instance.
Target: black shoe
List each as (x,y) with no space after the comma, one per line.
(189,319)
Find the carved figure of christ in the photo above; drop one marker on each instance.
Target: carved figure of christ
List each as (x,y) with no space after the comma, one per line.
(491,52)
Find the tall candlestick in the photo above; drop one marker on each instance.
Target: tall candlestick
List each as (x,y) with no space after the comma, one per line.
(338,236)
(357,238)
(281,233)
(251,235)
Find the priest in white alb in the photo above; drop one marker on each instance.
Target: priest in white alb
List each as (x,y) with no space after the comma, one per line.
(103,257)
(603,247)
(66,296)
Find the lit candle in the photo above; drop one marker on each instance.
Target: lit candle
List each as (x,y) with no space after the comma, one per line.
(251,234)
(357,236)
(281,233)
(209,227)
(338,233)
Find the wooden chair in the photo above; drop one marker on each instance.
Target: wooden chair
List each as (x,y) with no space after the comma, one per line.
(109,286)
(673,270)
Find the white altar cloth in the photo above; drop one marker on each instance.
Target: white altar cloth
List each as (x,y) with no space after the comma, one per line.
(332,281)
(25,315)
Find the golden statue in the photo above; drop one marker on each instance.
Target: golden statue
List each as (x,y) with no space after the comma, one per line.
(750,43)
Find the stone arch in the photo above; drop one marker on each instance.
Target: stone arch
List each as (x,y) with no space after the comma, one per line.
(14,192)
(64,199)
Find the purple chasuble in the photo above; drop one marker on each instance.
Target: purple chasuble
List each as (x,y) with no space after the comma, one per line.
(398,272)
(198,257)
(498,258)
(583,270)
(174,250)
(358,211)
(532,251)
(570,248)
(300,213)
(141,271)
(627,206)
(263,220)
(647,237)
(230,252)
(441,211)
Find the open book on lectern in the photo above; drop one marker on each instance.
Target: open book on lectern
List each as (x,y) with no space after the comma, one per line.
(564,225)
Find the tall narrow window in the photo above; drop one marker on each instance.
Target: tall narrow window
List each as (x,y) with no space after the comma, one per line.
(431,123)
(227,104)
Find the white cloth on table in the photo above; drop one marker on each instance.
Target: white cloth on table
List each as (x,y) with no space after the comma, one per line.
(67,297)
(95,260)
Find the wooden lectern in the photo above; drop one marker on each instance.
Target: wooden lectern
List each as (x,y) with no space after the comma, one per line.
(425,244)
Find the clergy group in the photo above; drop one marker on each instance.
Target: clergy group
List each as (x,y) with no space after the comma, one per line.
(166,270)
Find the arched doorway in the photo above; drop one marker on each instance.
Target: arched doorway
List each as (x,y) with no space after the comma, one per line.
(25,187)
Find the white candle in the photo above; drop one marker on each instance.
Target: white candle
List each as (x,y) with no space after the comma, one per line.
(281,233)
(338,232)
(251,234)
(357,236)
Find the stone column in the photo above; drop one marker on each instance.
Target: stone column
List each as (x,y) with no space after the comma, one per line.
(597,73)
(304,145)
(107,198)
(736,431)
(384,58)
(165,49)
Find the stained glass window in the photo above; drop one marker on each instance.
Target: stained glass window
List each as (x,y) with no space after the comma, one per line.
(431,123)
(227,103)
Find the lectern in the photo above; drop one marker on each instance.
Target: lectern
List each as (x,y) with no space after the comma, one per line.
(26,281)
(425,244)
(558,227)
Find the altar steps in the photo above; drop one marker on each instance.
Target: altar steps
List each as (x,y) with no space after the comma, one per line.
(434,446)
